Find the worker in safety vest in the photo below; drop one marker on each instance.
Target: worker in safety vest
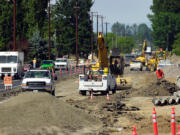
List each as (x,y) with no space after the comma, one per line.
(159,74)
(34,63)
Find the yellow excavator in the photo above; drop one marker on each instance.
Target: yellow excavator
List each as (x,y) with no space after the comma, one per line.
(142,58)
(112,68)
(162,55)
(153,62)
(150,61)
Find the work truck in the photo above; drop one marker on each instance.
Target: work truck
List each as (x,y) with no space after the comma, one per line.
(96,81)
(12,64)
(98,78)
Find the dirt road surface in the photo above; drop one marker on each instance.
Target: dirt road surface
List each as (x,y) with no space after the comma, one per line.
(72,114)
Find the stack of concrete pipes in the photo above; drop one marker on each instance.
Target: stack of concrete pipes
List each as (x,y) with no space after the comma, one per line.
(175,99)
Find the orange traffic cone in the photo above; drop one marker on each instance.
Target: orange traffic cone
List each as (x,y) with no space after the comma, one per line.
(108,97)
(134,131)
(178,131)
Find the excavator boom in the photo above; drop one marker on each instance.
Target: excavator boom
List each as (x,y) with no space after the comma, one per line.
(102,52)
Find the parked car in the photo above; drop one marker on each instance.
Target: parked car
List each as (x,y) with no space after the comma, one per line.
(62,63)
(38,80)
(27,67)
(47,64)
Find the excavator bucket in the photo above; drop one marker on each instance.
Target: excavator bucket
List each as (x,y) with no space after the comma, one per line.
(123,83)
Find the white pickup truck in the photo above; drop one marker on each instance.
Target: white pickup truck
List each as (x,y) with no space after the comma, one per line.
(38,80)
(96,81)
(62,63)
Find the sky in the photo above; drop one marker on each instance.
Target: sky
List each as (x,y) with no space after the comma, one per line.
(124,11)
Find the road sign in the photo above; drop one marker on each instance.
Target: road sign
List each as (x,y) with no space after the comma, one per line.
(8,82)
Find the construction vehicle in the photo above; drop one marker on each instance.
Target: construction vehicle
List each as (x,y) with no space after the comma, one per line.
(104,76)
(153,62)
(161,54)
(142,58)
(98,78)
(12,63)
(117,64)
(148,60)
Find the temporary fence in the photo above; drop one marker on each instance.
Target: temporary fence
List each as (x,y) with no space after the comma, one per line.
(72,71)
(155,125)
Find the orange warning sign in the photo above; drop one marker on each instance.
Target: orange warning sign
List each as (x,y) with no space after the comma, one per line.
(7,80)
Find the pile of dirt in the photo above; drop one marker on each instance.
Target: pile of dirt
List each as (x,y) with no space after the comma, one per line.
(165,88)
(107,111)
(37,113)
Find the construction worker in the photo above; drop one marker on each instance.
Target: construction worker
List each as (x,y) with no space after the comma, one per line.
(34,63)
(160,75)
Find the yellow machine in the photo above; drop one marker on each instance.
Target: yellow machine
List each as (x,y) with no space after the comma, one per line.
(142,57)
(115,64)
(102,62)
(152,63)
(161,54)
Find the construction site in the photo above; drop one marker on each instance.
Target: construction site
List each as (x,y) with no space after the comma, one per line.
(74,112)
(62,75)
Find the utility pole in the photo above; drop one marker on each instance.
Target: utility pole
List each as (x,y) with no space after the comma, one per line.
(102,24)
(116,38)
(92,33)
(97,24)
(14,23)
(49,30)
(106,29)
(77,54)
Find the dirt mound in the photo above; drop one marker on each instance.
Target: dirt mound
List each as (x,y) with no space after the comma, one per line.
(164,89)
(34,112)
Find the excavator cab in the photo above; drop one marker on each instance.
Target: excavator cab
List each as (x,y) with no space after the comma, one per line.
(116,66)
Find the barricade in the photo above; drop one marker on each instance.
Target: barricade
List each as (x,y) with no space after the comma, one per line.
(108,97)
(60,73)
(8,82)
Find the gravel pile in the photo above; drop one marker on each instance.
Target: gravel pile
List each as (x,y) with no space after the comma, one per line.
(30,112)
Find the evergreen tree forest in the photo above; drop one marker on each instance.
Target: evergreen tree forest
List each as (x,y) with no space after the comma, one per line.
(166,24)
(32,27)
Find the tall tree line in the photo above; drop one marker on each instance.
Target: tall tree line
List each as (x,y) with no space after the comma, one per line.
(127,37)
(165,22)
(139,32)
(32,26)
